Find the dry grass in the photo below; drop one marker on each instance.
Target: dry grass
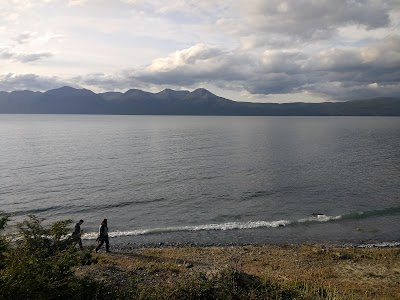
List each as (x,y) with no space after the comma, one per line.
(341,273)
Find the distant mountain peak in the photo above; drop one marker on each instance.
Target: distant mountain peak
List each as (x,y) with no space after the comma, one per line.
(135,92)
(68,90)
(165,92)
(169,94)
(202,92)
(64,88)
(68,99)
(67,87)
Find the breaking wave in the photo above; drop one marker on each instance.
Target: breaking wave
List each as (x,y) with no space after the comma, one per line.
(313,218)
(221,226)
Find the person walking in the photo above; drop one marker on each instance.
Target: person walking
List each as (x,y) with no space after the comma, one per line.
(103,236)
(76,235)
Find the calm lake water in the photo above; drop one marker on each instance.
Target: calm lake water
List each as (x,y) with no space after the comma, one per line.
(206,179)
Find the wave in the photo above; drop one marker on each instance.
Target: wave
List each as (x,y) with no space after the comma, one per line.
(315,217)
(380,245)
(220,226)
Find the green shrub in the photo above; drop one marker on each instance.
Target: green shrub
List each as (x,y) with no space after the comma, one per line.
(44,241)
(3,241)
(41,264)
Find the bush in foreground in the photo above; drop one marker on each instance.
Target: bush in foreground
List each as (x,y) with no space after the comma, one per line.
(40,263)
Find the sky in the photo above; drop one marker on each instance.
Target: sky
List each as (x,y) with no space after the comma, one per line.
(244,50)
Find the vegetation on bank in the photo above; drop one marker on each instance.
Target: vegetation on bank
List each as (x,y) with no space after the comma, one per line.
(41,262)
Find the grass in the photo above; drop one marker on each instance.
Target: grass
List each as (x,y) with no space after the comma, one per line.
(253,272)
(44,264)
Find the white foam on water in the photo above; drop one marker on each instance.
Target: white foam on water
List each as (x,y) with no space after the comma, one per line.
(380,245)
(222,226)
(319,218)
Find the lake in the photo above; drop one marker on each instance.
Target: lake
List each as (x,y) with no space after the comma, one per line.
(206,179)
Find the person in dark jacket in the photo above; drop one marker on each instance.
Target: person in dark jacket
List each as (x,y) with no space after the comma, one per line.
(103,236)
(76,235)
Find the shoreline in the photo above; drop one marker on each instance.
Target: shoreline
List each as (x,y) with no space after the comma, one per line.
(126,246)
(341,272)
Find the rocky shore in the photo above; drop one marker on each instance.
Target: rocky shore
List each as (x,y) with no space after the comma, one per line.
(365,271)
(126,246)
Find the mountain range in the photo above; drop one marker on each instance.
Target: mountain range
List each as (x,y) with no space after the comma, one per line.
(68,100)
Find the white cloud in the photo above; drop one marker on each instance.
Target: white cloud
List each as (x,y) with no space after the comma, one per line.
(11,81)
(255,48)
(25,37)
(198,55)
(277,23)
(383,55)
(329,72)
(77,2)
(24,57)
(277,61)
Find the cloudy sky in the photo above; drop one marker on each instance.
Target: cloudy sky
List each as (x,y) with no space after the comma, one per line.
(245,50)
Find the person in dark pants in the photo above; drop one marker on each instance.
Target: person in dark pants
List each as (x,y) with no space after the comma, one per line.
(103,236)
(76,235)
